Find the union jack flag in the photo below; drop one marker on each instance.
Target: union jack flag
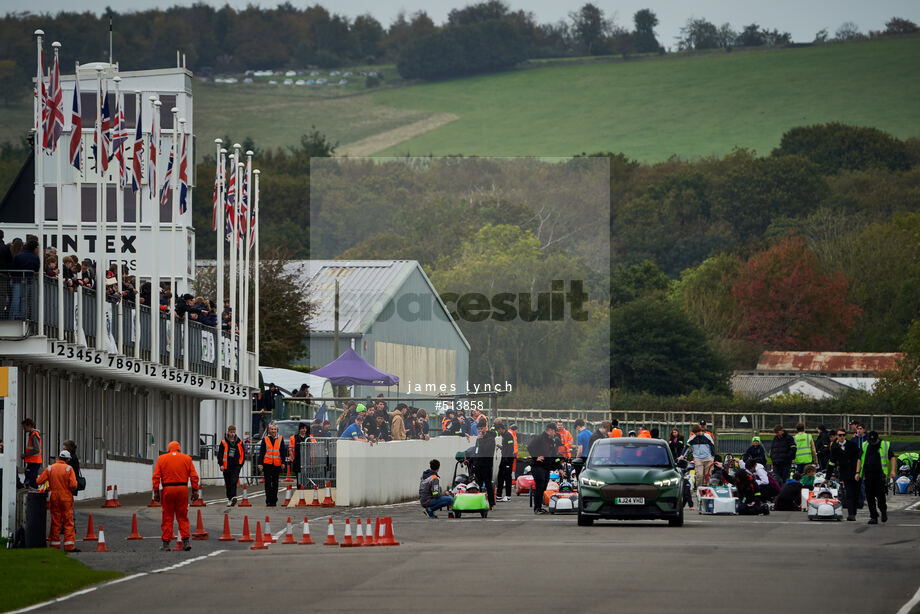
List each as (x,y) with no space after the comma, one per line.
(102,149)
(55,124)
(244,201)
(164,191)
(218,182)
(137,154)
(152,156)
(183,176)
(231,199)
(76,126)
(119,136)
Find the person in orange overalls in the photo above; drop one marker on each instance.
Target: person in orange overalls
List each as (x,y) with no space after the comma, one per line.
(174,469)
(63,484)
(566,439)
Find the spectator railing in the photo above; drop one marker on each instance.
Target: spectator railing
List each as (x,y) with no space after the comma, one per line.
(19,302)
(318,462)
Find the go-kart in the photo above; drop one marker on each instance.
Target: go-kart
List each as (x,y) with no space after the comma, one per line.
(524,483)
(563,501)
(467,495)
(822,505)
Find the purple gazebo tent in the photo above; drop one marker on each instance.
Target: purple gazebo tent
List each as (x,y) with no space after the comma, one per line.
(349,369)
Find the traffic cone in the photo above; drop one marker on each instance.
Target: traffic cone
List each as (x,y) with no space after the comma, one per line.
(90,533)
(359,534)
(347,542)
(379,530)
(328,501)
(259,545)
(302,501)
(100,547)
(199,502)
(153,501)
(315,497)
(199,533)
(109,501)
(246,536)
(305,540)
(369,538)
(134,534)
(288,533)
(267,538)
(388,538)
(115,496)
(225,536)
(288,492)
(330,536)
(288,479)
(179,545)
(245,502)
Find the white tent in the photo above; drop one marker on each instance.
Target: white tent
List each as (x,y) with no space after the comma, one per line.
(289,381)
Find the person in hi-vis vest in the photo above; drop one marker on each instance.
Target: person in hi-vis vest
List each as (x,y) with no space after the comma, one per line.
(272,454)
(805,453)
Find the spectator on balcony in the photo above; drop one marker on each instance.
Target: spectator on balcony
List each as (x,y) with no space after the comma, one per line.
(6,256)
(347,417)
(355,432)
(377,429)
(112,295)
(423,426)
(398,424)
(51,266)
(26,260)
(88,274)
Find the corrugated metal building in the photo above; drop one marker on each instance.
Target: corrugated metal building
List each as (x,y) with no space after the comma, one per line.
(390,313)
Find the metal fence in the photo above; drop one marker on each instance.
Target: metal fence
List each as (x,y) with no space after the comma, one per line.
(318,461)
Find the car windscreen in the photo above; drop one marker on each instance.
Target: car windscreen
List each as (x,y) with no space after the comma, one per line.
(613,454)
(286,429)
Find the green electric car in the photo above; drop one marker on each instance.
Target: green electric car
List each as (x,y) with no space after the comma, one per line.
(630,478)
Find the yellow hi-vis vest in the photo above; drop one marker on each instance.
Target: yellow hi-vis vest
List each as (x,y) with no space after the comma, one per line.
(803,449)
(883,452)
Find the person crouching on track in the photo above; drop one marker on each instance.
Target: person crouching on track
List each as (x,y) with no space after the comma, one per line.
(430,494)
(63,483)
(272,452)
(174,469)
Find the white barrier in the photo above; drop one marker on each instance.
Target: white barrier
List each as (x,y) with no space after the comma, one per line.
(130,476)
(389,472)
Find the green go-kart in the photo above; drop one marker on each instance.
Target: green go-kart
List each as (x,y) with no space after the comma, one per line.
(467,496)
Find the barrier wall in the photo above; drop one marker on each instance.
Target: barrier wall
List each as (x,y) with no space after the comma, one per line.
(390,472)
(130,476)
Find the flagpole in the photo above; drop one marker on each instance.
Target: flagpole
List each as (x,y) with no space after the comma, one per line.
(232,272)
(39,183)
(183,155)
(79,337)
(100,211)
(137,233)
(255,230)
(247,222)
(119,215)
(60,221)
(155,252)
(174,188)
(218,172)
(241,363)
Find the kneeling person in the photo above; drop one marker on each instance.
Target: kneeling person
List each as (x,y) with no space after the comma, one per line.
(429,490)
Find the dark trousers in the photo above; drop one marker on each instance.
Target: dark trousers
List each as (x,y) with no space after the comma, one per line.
(504,475)
(540,480)
(32,471)
(271,483)
(231,477)
(782,471)
(851,490)
(875,494)
(482,470)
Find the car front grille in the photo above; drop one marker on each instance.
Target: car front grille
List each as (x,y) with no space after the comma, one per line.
(612,491)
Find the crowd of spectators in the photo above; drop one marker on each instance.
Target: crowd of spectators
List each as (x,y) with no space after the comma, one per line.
(372,422)
(20,257)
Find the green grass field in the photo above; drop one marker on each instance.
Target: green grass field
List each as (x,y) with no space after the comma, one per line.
(685,105)
(35,575)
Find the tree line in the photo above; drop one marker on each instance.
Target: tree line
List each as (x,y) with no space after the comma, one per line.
(481,37)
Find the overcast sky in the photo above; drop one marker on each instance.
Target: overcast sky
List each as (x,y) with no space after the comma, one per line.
(802,18)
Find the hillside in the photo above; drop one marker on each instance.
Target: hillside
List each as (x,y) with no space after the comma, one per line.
(684,105)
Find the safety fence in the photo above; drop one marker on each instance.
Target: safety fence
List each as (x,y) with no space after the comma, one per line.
(318,461)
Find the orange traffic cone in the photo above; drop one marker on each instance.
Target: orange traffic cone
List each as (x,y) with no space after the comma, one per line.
(302,501)
(199,502)
(90,533)
(379,530)
(225,536)
(388,538)
(359,534)
(288,492)
(305,540)
(347,542)
(246,536)
(134,534)
(245,502)
(288,479)
(109,501)
(100,547)
(328,501)
(369,538)
(288,533)
(115,496)
(199,533)
(330,536)
(267,538)
(259,545)
(315,497)
(179,545)
(153,501)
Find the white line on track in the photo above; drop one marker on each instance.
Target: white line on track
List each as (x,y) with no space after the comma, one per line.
(188,561)
(254,495)
(909,606)
(909,505)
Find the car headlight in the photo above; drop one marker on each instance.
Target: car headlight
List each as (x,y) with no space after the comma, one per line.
(589,482)
(668,482)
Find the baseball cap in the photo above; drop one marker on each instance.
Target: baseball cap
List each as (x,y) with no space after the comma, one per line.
(702,423)
(360,408)
(64,454)
(755,438)
(873,436)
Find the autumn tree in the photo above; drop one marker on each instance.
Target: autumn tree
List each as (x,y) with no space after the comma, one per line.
(786,303)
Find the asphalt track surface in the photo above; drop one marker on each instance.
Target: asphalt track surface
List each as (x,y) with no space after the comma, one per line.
(512,561)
